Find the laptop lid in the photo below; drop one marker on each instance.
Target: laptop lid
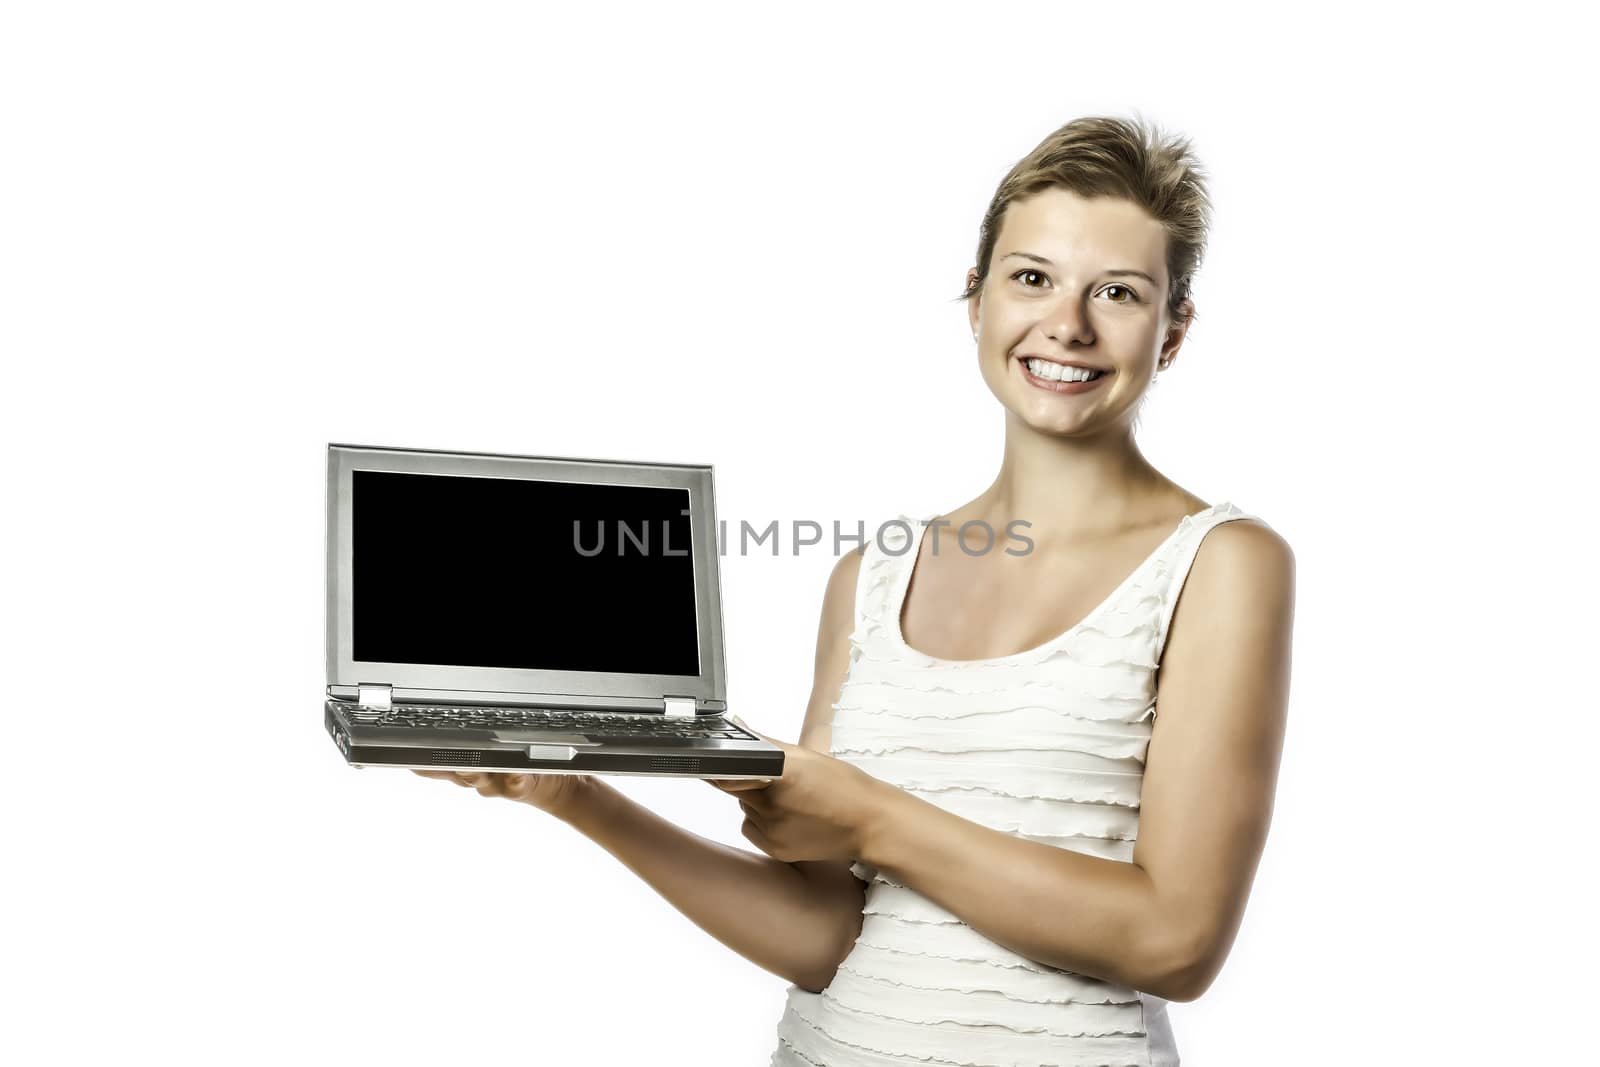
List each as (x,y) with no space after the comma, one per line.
(522,579)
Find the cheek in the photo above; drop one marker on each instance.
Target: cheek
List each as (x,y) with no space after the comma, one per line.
(1008,326)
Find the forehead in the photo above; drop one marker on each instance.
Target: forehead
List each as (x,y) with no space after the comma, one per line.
(1062,226)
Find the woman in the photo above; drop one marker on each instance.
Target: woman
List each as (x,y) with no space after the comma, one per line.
(988,847)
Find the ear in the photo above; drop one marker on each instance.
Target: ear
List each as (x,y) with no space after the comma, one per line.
(1176,332)
(973,301)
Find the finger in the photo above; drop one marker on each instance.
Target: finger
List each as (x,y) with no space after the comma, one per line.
(742,785)
(517,786)
(752,729)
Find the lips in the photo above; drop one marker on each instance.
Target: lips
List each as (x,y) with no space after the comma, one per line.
(1061,387)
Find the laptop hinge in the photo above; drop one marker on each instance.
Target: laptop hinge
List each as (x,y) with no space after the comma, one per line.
(375,696)
(679,707)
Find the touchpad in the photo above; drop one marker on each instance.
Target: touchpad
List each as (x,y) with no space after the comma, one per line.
(543,737)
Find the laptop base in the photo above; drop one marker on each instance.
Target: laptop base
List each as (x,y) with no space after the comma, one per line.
(704,759)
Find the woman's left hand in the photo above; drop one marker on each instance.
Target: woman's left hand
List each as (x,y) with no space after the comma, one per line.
(818,810)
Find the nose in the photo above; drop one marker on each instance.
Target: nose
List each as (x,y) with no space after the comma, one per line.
(1068,321)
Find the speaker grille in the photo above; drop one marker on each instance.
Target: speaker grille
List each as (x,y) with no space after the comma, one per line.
(675,763)
(456,758)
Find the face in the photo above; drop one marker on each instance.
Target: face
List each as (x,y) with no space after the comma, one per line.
(1059,294)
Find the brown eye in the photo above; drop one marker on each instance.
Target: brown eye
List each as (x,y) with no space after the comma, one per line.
(1132,296)
(1023,274)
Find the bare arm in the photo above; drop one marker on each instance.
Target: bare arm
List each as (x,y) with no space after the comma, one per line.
(1164,922)
(797,920)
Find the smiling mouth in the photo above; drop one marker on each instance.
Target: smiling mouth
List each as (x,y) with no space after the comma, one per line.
(1045,372)
(1058,378)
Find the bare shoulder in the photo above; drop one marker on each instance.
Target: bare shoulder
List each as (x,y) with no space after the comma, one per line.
(1241,584)
(1245,555)
(833,651)
(839,598)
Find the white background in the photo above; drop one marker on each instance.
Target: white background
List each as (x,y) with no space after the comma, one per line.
(233,233)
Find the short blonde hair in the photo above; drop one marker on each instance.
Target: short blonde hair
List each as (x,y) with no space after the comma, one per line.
(1127,158)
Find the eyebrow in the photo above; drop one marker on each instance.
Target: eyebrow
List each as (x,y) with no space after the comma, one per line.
(1113,273)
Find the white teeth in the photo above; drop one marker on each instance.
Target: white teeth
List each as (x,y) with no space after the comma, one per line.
(1055,372)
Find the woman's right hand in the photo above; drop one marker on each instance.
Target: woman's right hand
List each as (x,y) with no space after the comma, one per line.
(556,794)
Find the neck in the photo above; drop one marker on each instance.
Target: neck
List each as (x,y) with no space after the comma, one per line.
(1070,487)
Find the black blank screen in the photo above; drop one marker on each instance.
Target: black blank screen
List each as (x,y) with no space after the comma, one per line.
(487,572)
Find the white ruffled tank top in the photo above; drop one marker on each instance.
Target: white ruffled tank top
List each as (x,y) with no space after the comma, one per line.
(1048,745)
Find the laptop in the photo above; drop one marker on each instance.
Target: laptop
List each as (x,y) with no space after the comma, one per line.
(528,613)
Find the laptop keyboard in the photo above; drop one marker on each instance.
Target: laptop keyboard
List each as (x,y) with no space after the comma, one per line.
(613,724)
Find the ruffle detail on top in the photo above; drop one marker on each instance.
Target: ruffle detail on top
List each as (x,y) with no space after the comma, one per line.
(918,970)
(879,698)
(1017,780)
(1111,691)
(1038,742)
(1090,647)
(1047,745)
(825,1030)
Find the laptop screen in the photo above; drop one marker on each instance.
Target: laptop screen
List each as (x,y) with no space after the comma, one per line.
(516,573)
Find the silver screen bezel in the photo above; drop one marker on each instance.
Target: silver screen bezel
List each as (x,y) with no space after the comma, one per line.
(588,687)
